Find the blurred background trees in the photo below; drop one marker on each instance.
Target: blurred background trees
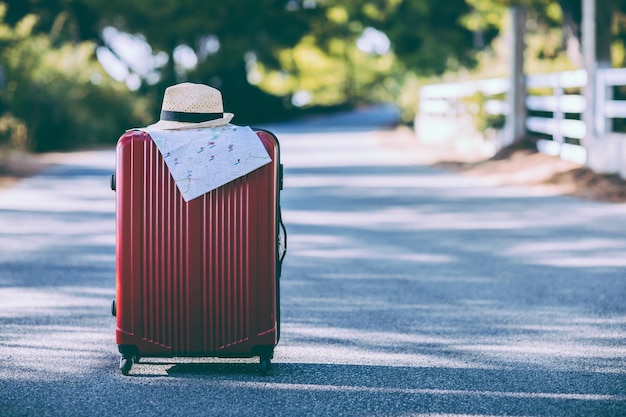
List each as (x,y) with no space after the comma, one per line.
(77,73)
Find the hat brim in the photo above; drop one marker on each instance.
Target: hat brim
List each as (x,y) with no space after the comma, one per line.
(171,125)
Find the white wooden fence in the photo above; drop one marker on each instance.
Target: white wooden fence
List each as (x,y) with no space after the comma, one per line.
(555,104)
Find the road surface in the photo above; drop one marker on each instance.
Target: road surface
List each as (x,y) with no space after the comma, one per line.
(407,290)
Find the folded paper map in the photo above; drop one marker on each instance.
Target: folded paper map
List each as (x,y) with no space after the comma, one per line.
(201,160)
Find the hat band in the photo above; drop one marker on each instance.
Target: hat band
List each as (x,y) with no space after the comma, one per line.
(179,116)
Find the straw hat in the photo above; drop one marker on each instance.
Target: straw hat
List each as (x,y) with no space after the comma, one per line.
(191,106)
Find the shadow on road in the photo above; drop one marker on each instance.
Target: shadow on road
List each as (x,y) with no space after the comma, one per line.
(376,117)
(332,389)
(406,291)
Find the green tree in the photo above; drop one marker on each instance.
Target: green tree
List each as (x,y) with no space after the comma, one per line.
(428,36)
(63,20)
(283,46)
(567,16)
(225,37)
(55,95)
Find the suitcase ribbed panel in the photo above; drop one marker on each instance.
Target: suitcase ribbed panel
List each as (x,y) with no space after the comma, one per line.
(225,264)
(191,274)
(184,258)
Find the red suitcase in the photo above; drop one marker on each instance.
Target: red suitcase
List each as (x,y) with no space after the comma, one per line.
(197,278)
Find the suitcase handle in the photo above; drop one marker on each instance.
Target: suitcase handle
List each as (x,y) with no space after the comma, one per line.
(282,226)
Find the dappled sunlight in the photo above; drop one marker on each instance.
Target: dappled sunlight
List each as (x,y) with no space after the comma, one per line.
(46,231)
(397,218)
(21,302)
(386,218)
(387,181)
(53,352)
(381,253)
(515,344)
(46,213)
(411,276)
(342,355)
(57,230)
(402,285)
(51,334)
(438,392)
(342,150)
(572,253)
(57,275)
(394,266)
(523,350)
(372,254)
(376,208)
(329,247)
(41,196)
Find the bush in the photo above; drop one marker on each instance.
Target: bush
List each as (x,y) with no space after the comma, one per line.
(60,94)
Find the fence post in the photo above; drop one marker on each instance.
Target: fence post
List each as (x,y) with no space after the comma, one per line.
(558,116)
(600,145)
(515,128)
(589,57)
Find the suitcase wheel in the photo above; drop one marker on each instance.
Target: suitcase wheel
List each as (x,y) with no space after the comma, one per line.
(265,364)
(125,365)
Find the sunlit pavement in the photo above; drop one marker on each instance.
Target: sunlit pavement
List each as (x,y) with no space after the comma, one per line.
(406,290)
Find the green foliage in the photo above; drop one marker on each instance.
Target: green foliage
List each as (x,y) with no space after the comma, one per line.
(483,120)
(271,49)
(349,76)
(13,133)
(261,29)
(263,52)
(58,97)
(427,38)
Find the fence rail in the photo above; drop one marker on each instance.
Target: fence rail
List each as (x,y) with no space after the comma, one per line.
(554,103)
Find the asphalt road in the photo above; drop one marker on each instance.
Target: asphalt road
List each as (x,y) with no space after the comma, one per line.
(406,290)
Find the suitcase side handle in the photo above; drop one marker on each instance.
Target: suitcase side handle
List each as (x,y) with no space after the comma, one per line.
(284,229)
